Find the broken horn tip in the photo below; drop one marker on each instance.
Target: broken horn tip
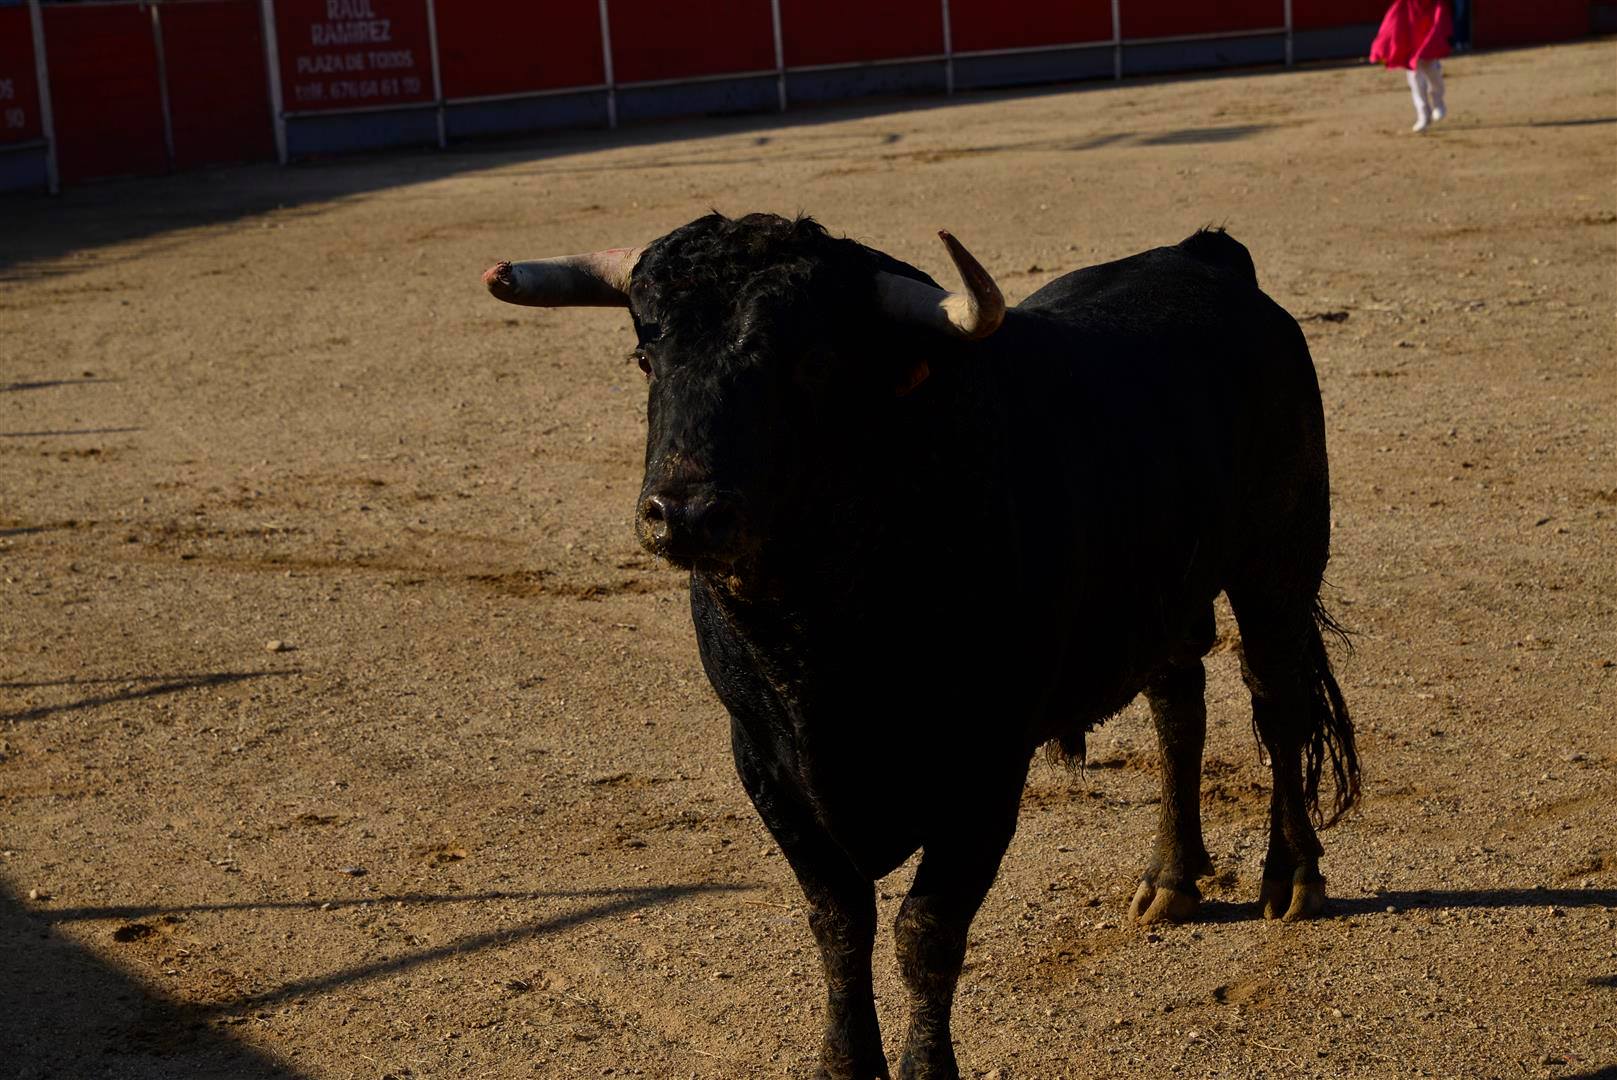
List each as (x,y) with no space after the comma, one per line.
(498,274)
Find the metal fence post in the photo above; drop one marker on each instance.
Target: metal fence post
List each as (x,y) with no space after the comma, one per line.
(162,84)
(437,73)
(780,53)
(47,120)
(606,60)
(272,70)
(1289,60)
(948,52)
(1117,41)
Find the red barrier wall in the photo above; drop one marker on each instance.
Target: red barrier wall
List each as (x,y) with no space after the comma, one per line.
(19,79)
(1171,18)
(656,39)
(995,24)
(218,88)
(105,100)
(484,50)
(346,54)
(1324,14)
(1498,23)
(848,31)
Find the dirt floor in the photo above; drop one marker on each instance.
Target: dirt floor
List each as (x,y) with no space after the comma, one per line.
(474,814)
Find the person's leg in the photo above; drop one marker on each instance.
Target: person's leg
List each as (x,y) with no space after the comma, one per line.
(1417,90)
(1433,70)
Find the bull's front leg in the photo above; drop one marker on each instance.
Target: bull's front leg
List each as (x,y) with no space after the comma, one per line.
(931,931)
(842,916)
(843,919)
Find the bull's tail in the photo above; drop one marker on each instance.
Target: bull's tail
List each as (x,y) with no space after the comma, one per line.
(1330,728)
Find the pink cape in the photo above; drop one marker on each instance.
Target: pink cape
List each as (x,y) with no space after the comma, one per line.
(1412,30)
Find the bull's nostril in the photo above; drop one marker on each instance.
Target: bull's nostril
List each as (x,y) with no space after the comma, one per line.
(657,513)
(719,519)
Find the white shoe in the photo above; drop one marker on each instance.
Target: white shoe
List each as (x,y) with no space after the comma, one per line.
(1438,113)
(1421,124)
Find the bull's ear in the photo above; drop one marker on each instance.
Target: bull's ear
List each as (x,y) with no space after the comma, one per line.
(911,376)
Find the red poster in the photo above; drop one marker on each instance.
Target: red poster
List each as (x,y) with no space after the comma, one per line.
(353,54)
(19,82)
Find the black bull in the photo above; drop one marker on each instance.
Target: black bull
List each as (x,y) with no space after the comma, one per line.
(927,536)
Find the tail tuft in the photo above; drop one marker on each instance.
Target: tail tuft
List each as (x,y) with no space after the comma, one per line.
(1330,731)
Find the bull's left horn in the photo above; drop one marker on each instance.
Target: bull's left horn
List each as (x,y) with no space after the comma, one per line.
(972,314)
(595,279)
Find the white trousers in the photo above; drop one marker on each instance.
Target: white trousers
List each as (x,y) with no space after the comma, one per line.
(1426,87)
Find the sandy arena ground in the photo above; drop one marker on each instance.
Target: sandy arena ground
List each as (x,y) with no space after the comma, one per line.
(477,817)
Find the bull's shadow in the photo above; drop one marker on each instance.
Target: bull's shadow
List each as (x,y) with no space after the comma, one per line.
(1401,901)
(70,1015)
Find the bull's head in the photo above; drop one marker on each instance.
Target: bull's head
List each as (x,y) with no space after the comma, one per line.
(765,341)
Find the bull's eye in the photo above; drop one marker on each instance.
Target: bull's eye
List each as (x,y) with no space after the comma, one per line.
(643,360)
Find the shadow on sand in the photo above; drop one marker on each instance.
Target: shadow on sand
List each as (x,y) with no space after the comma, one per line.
(46,384)
(1437,899)
(154,686)
(1224,911)
(70,1014)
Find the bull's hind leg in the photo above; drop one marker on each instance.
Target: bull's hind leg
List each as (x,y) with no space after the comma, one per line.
(1298,713)
(1168,890)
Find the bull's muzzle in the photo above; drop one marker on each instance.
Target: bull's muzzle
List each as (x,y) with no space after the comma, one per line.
(690,524)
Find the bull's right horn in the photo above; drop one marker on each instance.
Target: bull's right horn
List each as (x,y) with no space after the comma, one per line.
(595,279)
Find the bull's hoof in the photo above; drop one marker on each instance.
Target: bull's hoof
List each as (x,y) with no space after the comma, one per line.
(869,1064)
(1159,903)
(1290,900)
(917,1067)
(928,1052)
(843,1070)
